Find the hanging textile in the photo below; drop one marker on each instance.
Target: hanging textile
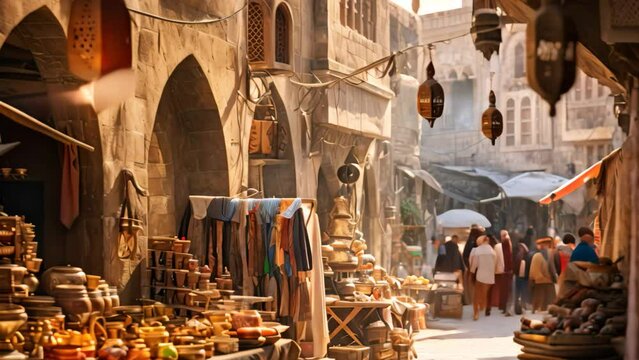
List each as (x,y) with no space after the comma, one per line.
(70,187)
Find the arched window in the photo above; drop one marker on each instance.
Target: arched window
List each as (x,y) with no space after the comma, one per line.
(520,67)
(282,35)
(359,15)
(510,122)
(525,119)
(255,32)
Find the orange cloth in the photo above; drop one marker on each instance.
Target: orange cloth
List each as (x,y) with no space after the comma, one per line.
(70,188)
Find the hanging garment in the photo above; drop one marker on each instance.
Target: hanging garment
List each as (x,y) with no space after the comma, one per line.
(221,211)
(238,256)
(263,137)
(70,186)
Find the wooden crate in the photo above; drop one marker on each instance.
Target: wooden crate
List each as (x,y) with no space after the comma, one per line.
(349,352)
(449,304)
(381,351)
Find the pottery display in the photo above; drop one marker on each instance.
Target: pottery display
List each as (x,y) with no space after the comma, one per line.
(106,297)
(345,287)
(60,275)
(115,298)
(17,271)
(97,301)
(74,301)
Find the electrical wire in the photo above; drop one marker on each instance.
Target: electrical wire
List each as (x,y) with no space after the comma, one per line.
(188,22)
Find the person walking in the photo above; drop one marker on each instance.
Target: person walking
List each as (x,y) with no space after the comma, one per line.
(585,250)
(543,276)
(483,265)
(521,276)
(504,279)
(471,243)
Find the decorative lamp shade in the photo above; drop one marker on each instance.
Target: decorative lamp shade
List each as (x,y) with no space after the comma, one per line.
(99,38)
(492,122)
(486,31)
(349,173)
(416,6)
(551,42)
(430,97)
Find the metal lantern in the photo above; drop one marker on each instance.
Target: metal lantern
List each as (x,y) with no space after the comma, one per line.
(99,38)
(350,172)
(551,53)
(486,31)
(492,122)
(430,97)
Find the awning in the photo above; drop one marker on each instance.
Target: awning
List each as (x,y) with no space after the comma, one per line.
(423,175)
(28,121)
(576,182)
(468,185)
(534,186)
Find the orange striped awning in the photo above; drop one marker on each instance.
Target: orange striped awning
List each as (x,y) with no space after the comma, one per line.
(576,182)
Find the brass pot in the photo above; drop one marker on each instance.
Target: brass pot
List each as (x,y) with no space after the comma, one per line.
(12,317)
(17,271)
(106,297)
(345,287)
(74,301)
(60,275)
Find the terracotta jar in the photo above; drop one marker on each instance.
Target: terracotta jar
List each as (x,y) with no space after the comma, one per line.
(59,275)
(97,301)
(74,301)
(106,297)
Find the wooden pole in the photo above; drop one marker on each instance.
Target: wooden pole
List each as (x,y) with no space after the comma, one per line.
(32,123)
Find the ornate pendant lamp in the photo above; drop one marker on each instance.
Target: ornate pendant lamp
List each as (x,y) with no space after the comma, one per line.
(551,42)
(350,172)
(486,28)
(99,38)
(430,96)
(492,122)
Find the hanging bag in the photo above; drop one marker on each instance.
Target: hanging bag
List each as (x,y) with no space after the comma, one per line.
(129,228)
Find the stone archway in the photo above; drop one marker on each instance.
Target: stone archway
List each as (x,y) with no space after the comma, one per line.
(33,57)
(187,154)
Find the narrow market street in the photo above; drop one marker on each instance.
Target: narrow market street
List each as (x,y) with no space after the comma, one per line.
(452,339)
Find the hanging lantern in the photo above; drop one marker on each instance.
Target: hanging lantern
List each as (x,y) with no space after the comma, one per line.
(350,172)
(492,123)
(99,38)
(430,97)
(551,42)
(416,6)
(486,31)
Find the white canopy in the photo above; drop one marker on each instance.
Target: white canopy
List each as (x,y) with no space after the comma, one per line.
(459,218)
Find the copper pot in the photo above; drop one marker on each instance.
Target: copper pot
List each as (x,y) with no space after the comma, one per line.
(74,301)
(59,275)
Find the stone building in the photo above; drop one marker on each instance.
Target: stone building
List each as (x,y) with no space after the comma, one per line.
(184,132)
(583,131)
(199,91)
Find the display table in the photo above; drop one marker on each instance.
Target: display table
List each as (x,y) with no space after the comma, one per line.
(418,292)
(284,349)
(345,312)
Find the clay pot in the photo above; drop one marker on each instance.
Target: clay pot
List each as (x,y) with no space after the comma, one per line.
(18,272)
(32,282)
(97,301)
(115,298)
(74,301)
(193,265)
(193,278)
(60,275)
(33,265)
(106,297)
(12,317)
(93,281)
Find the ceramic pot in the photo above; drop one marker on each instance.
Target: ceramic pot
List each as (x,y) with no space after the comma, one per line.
(180,278)
(32,282)
(193,278)
(60,275)
(345,287)
(193,265)
(93,281)
(115,298)
(74,301)
(97,301)
(106,297)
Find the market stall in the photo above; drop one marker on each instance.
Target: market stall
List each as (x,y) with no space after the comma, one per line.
(191,308)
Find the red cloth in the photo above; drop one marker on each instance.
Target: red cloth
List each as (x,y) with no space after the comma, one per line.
(70,188)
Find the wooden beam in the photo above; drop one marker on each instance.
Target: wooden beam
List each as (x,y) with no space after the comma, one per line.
(34,124)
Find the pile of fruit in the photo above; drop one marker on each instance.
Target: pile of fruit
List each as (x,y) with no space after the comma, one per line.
(415,280)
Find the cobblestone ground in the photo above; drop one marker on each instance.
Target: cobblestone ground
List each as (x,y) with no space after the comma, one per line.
(489,338)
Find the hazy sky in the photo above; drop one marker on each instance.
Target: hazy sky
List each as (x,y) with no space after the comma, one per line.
(431,6)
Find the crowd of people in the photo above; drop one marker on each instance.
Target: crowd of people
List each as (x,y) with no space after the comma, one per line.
(512,275)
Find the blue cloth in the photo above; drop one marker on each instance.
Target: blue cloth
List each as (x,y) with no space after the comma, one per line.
(584,252)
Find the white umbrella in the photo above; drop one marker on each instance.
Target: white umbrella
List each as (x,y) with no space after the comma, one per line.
(459,218)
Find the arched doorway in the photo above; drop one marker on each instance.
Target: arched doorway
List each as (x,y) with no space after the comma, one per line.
(34,63)
(187,154)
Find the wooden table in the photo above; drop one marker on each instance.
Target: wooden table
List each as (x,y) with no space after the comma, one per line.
(354,307)
(413,290)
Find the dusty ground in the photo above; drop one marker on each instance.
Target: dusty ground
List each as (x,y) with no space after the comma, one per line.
(488,338)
